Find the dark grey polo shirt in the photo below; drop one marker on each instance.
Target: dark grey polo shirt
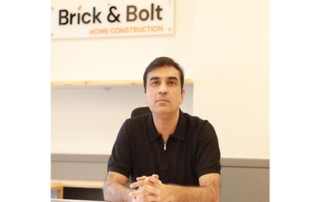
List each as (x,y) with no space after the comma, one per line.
(192,151)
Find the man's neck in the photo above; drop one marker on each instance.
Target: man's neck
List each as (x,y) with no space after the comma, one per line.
(166,124)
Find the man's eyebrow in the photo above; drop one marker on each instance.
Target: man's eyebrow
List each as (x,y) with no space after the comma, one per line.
(154,78)
(169,78)
(172,78)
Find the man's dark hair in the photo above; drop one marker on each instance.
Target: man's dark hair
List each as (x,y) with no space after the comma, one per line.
(160,62)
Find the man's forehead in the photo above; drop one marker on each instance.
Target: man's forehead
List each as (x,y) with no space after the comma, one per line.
(164,72)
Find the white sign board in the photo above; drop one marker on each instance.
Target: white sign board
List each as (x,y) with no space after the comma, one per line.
(112,18)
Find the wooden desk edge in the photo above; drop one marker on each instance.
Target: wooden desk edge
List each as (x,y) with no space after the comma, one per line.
(79,184)
(56,186)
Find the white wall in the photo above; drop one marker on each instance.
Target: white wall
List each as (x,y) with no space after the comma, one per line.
(222,45)
(87,120)
(231,73)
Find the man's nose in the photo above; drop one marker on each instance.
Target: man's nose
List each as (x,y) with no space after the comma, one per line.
(163,88)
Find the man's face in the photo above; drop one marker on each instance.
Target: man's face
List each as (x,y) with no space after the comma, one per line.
(163,90)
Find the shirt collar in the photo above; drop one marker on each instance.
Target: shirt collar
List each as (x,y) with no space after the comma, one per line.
(179,133)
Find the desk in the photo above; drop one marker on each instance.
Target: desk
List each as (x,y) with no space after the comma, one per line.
(81,190)
(57,187)
(80,184)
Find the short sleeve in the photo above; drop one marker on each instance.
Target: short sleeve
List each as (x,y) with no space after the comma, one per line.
(120,160)
(208,151)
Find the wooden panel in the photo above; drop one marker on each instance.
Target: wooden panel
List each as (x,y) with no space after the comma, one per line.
(240,184)
(104,83)
(81,171)
(248,163)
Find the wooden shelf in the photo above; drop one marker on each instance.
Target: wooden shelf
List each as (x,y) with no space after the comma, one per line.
(105,83)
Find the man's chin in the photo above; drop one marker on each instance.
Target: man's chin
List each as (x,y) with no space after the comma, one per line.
(162,110)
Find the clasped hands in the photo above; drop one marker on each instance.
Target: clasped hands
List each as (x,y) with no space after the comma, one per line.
(149,189)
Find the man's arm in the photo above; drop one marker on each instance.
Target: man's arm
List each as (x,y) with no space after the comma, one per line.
(209,190)
(115,189)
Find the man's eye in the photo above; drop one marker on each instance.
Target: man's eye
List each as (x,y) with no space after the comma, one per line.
(172,83)
(154,83)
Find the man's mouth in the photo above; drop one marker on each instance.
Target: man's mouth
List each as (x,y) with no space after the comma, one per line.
(162,100)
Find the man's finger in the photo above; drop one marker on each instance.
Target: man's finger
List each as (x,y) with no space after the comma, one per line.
(141,178)
(153,180)
(137,184)
(148,190)
(144,177)
(145,189)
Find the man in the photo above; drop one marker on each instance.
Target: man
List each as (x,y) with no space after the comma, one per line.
(170,155)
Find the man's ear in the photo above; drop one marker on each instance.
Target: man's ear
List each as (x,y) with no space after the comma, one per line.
(183,92)
(145,98)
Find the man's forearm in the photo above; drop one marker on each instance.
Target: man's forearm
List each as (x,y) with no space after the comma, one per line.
(190,194)
(116,192)
(208,191)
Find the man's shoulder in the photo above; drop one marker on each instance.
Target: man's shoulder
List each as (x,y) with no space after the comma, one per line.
(197,125)
(137,120)
(138,117)
(193,119)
